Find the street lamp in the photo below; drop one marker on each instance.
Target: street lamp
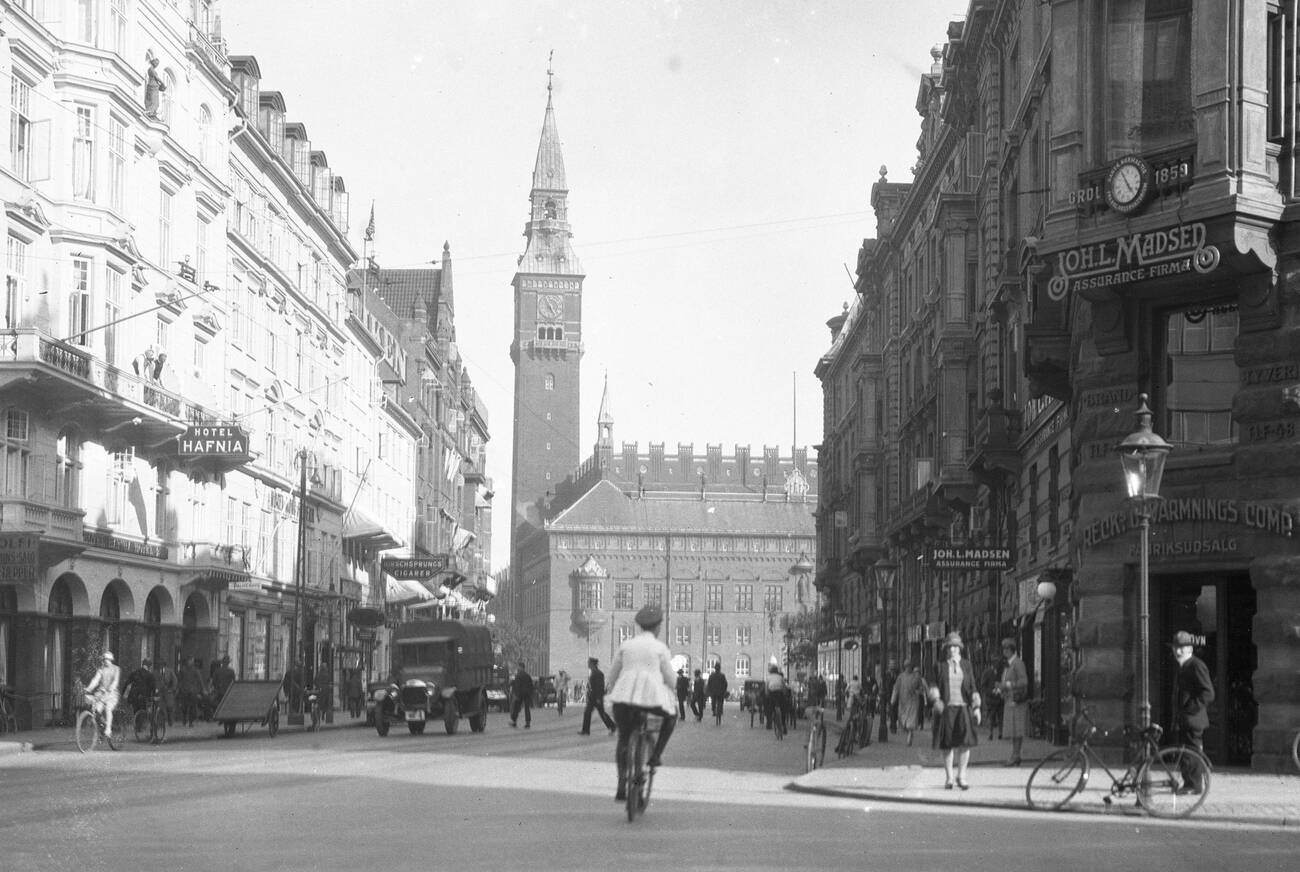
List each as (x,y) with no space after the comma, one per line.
(885,572)
(305,458)
(841,623)
(789,651)
(1142,455)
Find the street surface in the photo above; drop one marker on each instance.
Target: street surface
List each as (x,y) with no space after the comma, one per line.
(540,798)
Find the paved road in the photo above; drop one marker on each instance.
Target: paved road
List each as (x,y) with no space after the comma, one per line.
(527,799)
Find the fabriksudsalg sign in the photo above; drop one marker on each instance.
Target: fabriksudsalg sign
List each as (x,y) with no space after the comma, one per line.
(1133,258)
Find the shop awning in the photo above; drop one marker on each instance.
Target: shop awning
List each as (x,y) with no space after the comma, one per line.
(400,592)
(360,527)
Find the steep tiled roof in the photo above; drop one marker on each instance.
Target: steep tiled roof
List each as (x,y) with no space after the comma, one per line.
(408,292)
(608,508)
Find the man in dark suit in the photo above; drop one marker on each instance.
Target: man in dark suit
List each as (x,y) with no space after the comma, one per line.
(595,698)
(683,691)
(1193,693)
(521,690)
(697,696)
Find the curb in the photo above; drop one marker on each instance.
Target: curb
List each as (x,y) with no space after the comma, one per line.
(15,748)
(795,787)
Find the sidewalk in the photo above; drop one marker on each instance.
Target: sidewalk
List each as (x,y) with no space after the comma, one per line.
(894,772)
(61,738)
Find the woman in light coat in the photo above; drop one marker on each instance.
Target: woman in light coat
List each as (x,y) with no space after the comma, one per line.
(909,689)
(642,678)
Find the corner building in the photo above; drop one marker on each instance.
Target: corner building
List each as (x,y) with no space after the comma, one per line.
(1124,172)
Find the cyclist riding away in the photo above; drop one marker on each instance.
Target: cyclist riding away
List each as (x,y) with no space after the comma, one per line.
(777,696)
(642,679)
(102,691)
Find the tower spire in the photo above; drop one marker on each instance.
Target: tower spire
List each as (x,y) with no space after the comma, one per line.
(550,73)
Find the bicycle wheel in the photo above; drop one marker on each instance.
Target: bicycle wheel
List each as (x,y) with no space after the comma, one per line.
(1174,782)
(1056,779)
(140,723)
(159,725)
(87,731)
(816,746)
(1295,749)
(635,774)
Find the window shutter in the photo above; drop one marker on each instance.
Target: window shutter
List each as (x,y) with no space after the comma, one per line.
(40,151)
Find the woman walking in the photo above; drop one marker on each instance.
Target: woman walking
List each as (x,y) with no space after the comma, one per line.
(956,704)
(909,690)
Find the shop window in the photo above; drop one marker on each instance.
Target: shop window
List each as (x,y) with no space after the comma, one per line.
(1143,85)
(1198,375)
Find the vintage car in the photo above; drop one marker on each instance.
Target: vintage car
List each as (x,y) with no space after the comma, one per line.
(498,698)
(442,671)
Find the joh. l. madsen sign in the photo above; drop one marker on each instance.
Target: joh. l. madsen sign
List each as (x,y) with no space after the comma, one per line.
(1133,258)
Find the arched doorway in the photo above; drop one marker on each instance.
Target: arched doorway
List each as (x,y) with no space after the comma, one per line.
(151,631)
(195,618)
(8,608)
(58,650)
(110,617)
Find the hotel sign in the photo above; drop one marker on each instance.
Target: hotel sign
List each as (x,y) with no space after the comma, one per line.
(970,558)
(414,568)
(1133,258)
(207,440)
(18,556)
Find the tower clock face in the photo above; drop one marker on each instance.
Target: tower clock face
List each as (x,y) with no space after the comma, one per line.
(550,307)
(1127,184)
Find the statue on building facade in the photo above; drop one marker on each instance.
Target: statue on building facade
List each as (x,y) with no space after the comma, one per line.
(153,87)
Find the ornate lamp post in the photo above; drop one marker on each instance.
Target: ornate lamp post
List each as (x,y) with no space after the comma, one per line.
(885,572)
(306,463)
(789,651)
(841,624)
(1142,455)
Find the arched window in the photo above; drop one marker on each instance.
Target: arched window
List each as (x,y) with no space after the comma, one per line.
(549,209)
(67,479)
(151,640)
(541,332)
(110,614)
(58,648)
(559,333)
(205,134)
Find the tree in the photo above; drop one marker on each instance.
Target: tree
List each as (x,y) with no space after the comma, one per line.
(512,643)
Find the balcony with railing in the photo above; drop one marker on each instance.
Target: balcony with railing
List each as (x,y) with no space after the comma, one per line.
(997,430)
(36,505)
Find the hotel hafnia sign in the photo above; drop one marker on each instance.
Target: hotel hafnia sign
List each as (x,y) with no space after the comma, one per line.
(210,440)
(1133,258)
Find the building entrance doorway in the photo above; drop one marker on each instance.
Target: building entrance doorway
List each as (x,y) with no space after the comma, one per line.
(1220,608)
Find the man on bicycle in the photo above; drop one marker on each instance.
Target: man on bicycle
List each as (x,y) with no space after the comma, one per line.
(642,679)
(102,691)
(777,696)
(139,687)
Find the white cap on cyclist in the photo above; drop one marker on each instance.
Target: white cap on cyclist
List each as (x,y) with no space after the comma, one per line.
(108,655)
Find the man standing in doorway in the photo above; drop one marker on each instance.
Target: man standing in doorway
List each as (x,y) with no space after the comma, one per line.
(1013,687)
(595,698)
(1193,693)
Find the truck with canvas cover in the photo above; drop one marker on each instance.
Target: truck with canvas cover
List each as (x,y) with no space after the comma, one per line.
(440,669)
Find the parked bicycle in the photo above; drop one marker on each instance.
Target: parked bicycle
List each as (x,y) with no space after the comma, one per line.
(150,722)
(90,730)
(851,735)
(816,747)
(640,776)
(1168,782)
(8,711)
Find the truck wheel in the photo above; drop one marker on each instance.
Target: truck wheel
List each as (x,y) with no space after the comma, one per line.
(451,716)
(273,721)
(381,723)
(416,727)
(478,720)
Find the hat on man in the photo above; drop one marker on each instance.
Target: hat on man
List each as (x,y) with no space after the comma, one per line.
(1181,638)
(649,616)
(681,671)
(108,655)
(952,640)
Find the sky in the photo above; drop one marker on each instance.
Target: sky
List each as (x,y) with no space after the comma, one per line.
(719,155)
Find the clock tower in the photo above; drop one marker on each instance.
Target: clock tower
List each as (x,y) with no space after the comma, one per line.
(547,344)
